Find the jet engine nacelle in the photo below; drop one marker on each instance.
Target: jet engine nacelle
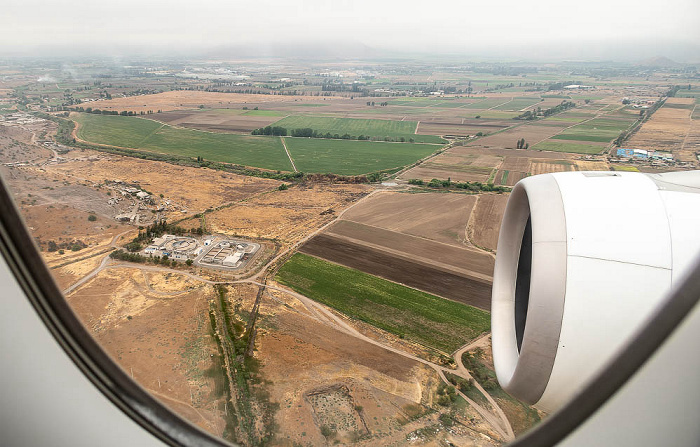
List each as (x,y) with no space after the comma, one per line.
(584,258)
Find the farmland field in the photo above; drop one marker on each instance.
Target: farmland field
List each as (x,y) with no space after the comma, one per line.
(351,157)
(357,127)
(348,157)
(436,216)
(417,316)
(550,145)
(137,133)
(488,213)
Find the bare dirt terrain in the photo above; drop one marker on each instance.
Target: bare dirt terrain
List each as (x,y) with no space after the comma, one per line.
(486,222)
(436,216)
(159,338)
(191,189)
(667,128)
(284,216)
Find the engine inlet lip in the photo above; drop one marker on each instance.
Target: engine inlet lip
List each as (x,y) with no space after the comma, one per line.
(524,368)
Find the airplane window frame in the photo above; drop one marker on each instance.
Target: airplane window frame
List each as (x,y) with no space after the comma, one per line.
(23,258)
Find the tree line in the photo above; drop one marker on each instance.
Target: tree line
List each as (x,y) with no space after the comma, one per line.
(532,115)
(471,186)
(308,132)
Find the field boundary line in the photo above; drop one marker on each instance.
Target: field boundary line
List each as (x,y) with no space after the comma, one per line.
(499,105)
(288,154)
(408,256)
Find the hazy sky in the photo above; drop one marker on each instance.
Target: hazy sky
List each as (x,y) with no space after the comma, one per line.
(406,25)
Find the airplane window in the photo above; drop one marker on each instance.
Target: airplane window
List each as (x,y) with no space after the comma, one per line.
(352,224)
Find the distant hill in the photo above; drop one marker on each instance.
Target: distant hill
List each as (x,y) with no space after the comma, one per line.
(660,61)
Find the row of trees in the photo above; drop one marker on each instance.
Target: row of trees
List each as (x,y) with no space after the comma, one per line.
(122,255)
(307,132)
(471,186)
(531,115)
(521,144)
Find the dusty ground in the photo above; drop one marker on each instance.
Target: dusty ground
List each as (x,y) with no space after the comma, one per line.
(486,222)
(285,216)
(440,217)
(322,377)
(160,338)
(667,128)
(192,189)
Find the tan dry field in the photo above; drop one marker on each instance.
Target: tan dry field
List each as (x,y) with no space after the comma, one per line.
(666,129)
(435,216)
(691,144)
(187,99)
(193,189)
(460,163)
(538,167)
(284,216)
(319,375)
(161,339)
(508,138)
(486,220)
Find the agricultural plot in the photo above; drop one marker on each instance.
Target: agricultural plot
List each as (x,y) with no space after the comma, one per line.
(538,167)
(488,103)
(417,316)
(570,147)
(351,157)
(519,103)
(137,133)
(436,216)
(451,270)
(347,157)
(601,130)
(357,127)
(219,120)
(667,128)
(486,224)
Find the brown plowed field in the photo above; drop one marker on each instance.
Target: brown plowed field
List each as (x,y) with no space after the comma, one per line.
(488,214)
(441,217)
(420,275)
(469,261)
(509,138)
(219,120)
(520,164)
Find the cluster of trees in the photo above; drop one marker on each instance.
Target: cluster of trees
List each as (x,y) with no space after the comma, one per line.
(76,245)
(483,375)
(446,394)
(112,112)
(521,144)
(277,131)
(122,255)
(307,132)
(531,115)
(471,186)
(381,104)
(461,383)
(158,229)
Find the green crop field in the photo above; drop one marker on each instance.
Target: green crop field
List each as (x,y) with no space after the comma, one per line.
(345,157)
(352,157)
(487,103)
(264,113)
(549,145)
(138,133)
(427,319)
(584,137)
(357,127)
(518,104)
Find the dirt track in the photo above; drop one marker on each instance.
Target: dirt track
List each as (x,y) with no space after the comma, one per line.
(423,276)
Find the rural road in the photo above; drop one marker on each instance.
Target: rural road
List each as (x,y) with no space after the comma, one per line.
(289,155)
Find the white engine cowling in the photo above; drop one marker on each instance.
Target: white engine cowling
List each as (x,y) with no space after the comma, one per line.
(584,258)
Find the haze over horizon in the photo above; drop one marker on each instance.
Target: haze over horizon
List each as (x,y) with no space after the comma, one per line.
(617,30)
